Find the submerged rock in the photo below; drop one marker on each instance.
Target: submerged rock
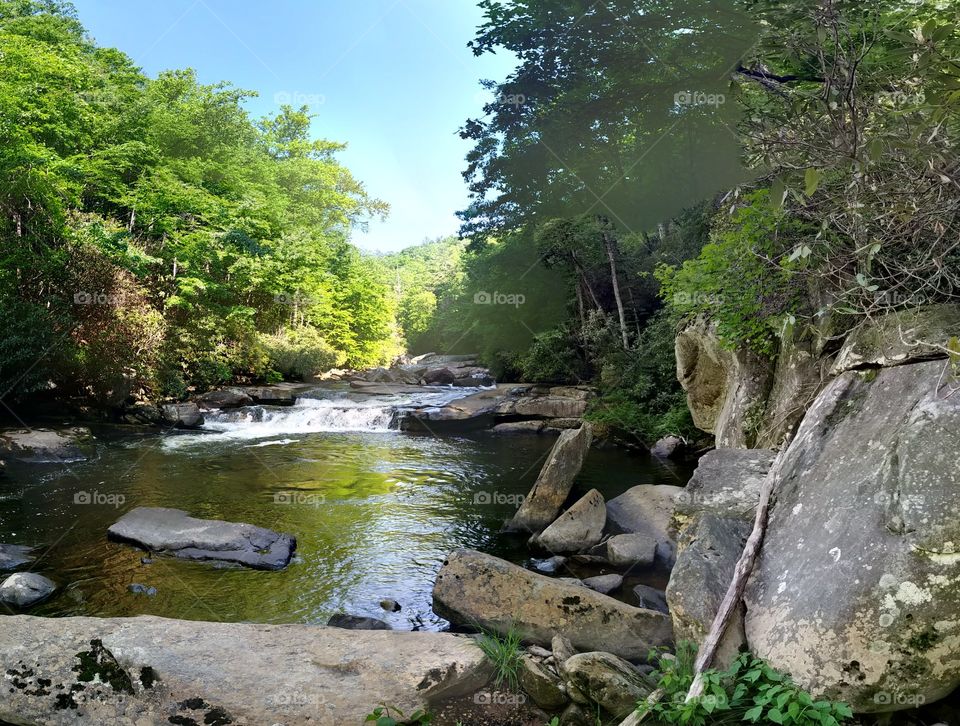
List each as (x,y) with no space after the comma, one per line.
(855,590)
(46,446)
(356,622)
(553,485)
(653,599)
(604,584)
(13,556)
(647,509)
(174,532)
(150,670)
(138,589)
(477,589)
(23,589)
(579,527)
(226,398)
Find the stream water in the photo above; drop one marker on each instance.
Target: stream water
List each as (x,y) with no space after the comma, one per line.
(374,510)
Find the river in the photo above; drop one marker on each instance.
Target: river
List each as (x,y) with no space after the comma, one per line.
(374,510)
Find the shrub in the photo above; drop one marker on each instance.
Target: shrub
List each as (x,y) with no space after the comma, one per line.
(553,357)
(298,353)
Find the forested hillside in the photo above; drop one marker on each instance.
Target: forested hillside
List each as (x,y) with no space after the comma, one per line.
(157,237)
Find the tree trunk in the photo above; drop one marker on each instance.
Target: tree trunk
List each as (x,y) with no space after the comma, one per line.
(610,244)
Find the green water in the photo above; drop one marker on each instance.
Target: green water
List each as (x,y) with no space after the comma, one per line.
(374,513)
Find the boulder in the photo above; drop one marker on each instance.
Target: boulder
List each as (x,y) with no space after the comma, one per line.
(13,556)
(476,589)
(356,622)
(182,415)
(150,670)
(854,593)
(726,482)
(630,550)
(669,447)
(223,399)
(277,395)
(562,648)
(542,684)
(563,423)
(553,485)
(652,599)
(439,377)
(23,589)
(46,446)
(708,553)
(578,393)
(519,427)
(174,532)
(604,584)
(647,509)
(898,338)
(608,681)
(550,407)
(579,527)
(390,605)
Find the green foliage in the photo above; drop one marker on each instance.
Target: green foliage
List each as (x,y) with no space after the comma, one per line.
(504,652)
(743,279)
(162,231)
(749,691)
(384,715)
(298,353)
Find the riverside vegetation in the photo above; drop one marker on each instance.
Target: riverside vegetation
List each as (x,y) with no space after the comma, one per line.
(737,222)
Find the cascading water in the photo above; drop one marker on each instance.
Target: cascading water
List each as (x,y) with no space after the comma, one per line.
(318,411)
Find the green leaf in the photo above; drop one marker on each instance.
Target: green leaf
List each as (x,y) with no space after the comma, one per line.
(753,714)
(811,180)
(774,715)
(778,191)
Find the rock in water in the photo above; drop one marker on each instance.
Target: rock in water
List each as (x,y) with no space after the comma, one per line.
(579,527)
(542,504)
(477,589)
(222,399)
(23,589)
(12,556)
(150,670)
(46,446)
(183,415)
(356,622)
(669,447)
(855,591)
(604,679)
(647,509)
(604,583)
(174,532)
(652,599)
(631,550)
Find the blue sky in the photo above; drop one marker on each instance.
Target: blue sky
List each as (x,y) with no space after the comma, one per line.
(392,78)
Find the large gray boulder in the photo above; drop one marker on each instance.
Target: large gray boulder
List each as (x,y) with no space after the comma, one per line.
(477,589)
(541,683)
(606,680)
(579,527)
(550,407)
(553,485)
(174,532)
(855,591)
(647,509)
(182,415)
(227,398)
(708,553)
(46,446)
(726,482)
(148,670)
(23,589)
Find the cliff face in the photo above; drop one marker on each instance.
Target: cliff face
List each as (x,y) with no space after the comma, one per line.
(855,593)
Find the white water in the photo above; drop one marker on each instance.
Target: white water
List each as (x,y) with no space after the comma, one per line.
(311,415)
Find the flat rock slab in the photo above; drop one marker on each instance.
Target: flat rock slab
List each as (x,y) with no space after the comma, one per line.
(46,446)
(477,589)
(174,532)
(150,670)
